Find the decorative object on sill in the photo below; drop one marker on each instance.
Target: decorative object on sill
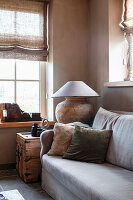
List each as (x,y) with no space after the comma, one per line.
(76,106)
(45,124)
(35,116)
(25,116)
(127,27)
(11,112)
(37,130)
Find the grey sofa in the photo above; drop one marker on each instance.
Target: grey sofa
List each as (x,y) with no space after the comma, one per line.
(73,180)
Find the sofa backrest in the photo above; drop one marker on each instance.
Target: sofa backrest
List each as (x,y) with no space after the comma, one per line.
(120,151)
(105,119)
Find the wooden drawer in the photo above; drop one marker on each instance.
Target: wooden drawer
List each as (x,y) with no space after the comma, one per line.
(32,148)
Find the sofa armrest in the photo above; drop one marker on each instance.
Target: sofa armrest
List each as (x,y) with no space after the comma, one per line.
(46,139)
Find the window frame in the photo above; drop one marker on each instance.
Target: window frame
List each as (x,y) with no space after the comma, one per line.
(43,99)
(42,86)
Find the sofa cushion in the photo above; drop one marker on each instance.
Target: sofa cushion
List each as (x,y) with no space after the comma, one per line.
(79,124)
(120,151)
(62,138)
(88,145)
(89,180)
(105,119)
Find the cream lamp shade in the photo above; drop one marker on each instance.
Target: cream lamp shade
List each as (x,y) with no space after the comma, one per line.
(76,106)
(75,89)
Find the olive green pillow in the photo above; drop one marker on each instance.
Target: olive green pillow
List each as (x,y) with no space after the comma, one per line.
(88,145)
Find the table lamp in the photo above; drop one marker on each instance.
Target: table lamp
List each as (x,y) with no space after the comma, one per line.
(76,106)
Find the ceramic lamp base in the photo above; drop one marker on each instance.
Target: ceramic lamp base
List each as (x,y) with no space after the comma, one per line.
(74,109)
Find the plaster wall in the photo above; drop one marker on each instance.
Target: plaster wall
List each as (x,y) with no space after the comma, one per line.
(117,98)
(98,54)
(69,41)
(105,51)
(8,144)
(117,70)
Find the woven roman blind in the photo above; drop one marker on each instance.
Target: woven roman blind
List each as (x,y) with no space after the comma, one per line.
(23,29)
(127,19)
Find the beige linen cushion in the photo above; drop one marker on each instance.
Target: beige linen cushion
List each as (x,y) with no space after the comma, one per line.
(62,138)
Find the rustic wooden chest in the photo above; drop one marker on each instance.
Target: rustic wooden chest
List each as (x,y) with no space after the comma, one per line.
(28,162)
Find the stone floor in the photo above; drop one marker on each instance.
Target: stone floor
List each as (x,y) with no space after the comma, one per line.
(9,180)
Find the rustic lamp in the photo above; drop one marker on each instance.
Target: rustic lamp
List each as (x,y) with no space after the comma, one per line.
(76,106)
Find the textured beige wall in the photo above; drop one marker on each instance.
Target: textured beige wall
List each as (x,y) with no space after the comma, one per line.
(98,56)
(117,71)
(117,98)
(69,41)
(104,38)
(8,144)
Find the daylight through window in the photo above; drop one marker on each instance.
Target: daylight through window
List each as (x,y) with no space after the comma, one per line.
(20,83)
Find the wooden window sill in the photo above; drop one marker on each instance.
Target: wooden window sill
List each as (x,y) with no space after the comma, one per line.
(118,84)
(21,124)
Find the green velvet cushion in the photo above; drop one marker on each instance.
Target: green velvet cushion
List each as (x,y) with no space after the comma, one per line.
(88,145)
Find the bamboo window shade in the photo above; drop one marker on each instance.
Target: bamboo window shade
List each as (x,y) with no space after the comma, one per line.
(23,29)
(127,19)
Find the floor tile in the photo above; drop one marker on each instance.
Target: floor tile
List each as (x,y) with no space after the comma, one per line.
(1,189)
(9,180)
(6,173)
(35,186)
(34,195)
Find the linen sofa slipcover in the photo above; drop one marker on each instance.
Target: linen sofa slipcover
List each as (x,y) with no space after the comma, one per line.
(120,151)
(73,180)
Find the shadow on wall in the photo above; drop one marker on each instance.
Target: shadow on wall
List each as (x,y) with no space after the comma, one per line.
(118,99)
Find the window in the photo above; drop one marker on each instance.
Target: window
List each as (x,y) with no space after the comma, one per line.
(23,52)
(127,26)
(20,82)
(120,43)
